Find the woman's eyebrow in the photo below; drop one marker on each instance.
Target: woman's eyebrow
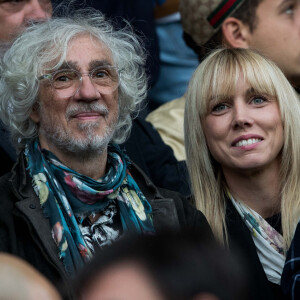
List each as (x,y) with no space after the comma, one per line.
(252,91)
(220,98)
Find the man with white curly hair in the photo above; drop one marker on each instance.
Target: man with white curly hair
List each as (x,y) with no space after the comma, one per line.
(69,87)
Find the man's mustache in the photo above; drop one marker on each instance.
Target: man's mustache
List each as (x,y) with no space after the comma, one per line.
(87,107)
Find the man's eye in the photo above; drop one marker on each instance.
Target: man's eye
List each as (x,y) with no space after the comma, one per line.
(101,73)
(289,9)
(64,77)
(12,6)
(12,1)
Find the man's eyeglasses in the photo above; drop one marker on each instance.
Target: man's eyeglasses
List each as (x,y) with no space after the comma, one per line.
(67,82)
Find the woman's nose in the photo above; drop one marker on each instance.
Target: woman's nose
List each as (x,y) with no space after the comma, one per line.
(241,116)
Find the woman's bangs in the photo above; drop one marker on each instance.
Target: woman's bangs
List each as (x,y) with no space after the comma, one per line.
(220,74)
(222,79)
(258,76)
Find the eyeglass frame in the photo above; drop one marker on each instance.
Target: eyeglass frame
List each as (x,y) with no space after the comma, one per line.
(50,76)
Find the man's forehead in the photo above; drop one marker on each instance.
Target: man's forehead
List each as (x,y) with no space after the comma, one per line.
(280,3)
(87,40)
(88,48)
(82,54)
(69,64)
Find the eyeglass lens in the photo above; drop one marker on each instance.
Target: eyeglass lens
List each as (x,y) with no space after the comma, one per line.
(68,82)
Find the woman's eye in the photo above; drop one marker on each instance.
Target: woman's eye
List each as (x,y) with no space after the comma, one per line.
(220,107)
(258,100)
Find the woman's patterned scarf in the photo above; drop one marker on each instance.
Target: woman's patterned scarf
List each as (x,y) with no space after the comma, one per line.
(268,242)
(63,193)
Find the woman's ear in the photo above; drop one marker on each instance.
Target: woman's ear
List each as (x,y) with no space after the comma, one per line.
(35,113)
(235,33)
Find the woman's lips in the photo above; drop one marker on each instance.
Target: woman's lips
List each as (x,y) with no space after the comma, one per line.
(247,140)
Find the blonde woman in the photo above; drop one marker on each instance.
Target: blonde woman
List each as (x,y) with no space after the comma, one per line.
(242,138)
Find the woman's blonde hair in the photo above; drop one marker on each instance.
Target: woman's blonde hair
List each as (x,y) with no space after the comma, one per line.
(218,75)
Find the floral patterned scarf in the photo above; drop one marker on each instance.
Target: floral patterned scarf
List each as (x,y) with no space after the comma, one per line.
(268,242)
(63,193)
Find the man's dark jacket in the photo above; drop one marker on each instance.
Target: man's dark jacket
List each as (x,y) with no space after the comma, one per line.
(25,232)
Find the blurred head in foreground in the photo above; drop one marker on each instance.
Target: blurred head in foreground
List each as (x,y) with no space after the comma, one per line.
(164,267)
(20,281)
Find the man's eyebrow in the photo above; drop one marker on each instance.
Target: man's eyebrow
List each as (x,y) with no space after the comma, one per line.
(99,63)
(68,65)
(284,2)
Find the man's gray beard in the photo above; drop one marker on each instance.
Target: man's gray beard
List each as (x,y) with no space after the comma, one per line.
(91,145)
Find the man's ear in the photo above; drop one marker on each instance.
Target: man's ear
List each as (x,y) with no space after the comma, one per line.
(235,33)
(35,114)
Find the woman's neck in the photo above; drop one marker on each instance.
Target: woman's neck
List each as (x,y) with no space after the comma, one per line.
(260,190)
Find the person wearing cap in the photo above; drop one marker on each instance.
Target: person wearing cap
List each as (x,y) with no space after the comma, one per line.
(269,26)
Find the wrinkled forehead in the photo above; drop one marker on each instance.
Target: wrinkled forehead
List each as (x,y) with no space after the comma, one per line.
(83,47)
(81,52)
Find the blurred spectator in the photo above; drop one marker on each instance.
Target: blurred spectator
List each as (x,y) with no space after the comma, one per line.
(177,60)
(14,17)
(163,267)
(20,281)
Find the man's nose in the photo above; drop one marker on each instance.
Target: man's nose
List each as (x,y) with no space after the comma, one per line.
(87,90)
(38,10)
